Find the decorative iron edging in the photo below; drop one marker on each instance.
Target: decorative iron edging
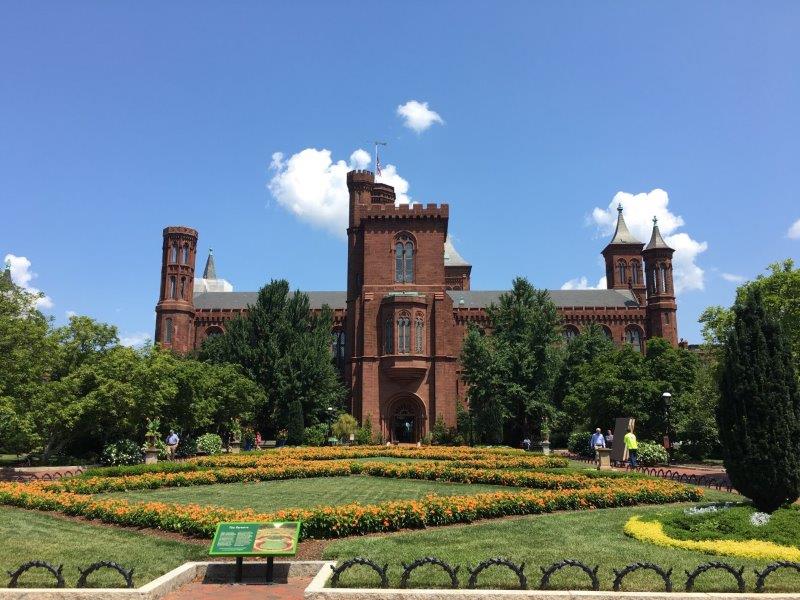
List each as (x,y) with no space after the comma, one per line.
(665,575)
(519,571)
(127,574)
(381,571)
(568,562)
(429,560)
(56,571)
(691,576)
(772,567)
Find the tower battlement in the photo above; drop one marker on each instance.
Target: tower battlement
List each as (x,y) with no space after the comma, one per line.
(406,211)
(179,230)
(360,176)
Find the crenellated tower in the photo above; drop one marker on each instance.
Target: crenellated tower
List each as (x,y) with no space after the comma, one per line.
(661,306)
(175,311)
(624,262)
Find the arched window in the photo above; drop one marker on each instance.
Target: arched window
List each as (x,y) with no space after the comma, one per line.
(168,330)
(173,287)
(388,337)
(635,272)
(185,254)
(183,288)
(634,337)
(404,260)
(419,329)
(173,254)
(403,335)
(570,333)
(337,349)
(663,269)
(607,332)
(621,270)
(213,330)
(655,281)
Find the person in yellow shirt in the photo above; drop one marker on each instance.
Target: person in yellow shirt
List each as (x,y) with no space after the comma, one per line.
(632,445)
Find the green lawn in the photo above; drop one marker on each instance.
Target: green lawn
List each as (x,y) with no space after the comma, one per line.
(39,536)
(268,496)
(594,537)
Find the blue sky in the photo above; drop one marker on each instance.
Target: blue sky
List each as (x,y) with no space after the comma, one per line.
(117,119)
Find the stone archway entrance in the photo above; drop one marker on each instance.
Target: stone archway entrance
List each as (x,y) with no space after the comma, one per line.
(406,421)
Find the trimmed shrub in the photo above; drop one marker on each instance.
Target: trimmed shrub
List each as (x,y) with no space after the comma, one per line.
(578,443)
(364,433)
(123,452)
(296,427)
(210,443)
(759,409)
(316,435)
(651,454)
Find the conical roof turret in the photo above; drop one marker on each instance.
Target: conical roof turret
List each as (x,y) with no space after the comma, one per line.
(656,241)
(210,272)
(621,234)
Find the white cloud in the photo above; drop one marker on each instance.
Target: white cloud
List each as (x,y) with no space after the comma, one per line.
(582,283)
(417,115)
(135,339)
(22,275)
(639,210)
(732,277)
(794,230)
(314,187)
(70,313)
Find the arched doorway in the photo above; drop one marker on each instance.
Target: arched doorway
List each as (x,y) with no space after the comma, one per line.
(406,421)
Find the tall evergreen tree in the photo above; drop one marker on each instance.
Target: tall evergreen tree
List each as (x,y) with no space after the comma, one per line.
(759,410)
(285,348)
(295,427)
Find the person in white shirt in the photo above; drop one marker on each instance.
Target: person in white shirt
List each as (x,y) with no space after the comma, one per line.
(597,441)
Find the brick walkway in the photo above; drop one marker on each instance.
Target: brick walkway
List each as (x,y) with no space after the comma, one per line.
(197,590)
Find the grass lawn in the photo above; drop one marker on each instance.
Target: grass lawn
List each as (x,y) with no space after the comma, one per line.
(268,496)
(39,536)
(594,537)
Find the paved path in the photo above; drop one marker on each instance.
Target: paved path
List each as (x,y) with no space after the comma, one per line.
(197,590)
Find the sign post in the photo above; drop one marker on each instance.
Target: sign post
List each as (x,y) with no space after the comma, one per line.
(255,539)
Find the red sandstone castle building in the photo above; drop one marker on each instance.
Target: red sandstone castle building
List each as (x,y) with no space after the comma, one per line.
(399,327)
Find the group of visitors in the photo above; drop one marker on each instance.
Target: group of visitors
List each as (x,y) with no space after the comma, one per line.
(599,440)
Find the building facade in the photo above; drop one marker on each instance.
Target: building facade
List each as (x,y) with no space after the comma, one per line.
(399,326)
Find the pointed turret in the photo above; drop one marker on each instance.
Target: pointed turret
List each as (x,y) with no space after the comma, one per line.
(661,306)
(210,272)
(656,241)
(621,234)
(623,256)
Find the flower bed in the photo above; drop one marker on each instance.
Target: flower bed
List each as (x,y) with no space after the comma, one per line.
(352,519)
(653,532)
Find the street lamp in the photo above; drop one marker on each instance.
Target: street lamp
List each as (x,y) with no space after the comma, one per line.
(330,422)
(667,397)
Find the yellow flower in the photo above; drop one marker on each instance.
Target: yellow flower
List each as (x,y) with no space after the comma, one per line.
(653,532)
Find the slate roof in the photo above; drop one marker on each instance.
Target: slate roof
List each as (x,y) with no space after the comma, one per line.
(210,271)
(451,256)
(621,234)
(472,299)
(656,241)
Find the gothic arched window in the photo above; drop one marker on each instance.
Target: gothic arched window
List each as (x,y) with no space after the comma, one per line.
(404,260)
(570,332)
(173,287)
(183,288)
(663,270)
(634,337)
(419,329)
(173,254)
(185,259)
(655,281)
(635,272)
(337,349)
(621,270)
(388,337)
(607,332)
(168,330)
(403,335)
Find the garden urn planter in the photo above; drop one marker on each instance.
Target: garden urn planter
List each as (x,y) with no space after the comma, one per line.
(235,447)
(151,456)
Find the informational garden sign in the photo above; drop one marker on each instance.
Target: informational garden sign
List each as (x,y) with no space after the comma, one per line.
(256,539)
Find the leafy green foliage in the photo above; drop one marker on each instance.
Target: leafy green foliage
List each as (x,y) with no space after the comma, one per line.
(364,433)
(344,426)
(122,452)
(210,443)
(316,435)
(759,411)
(578,443)
(511,373)
(651,454)
(285,349)
(295,428)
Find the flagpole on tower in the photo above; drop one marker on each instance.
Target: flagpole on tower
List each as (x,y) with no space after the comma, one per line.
(378,158)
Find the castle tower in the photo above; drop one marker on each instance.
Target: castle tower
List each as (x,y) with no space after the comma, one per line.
(623,255)
(175,309)
(661,306)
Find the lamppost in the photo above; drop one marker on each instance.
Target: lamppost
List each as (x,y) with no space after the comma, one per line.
(330,423)
(667,397)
